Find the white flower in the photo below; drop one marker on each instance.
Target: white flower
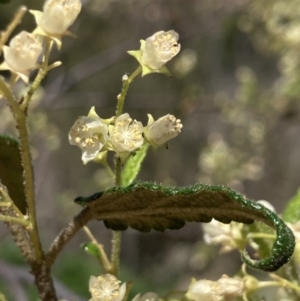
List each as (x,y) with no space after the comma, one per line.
(156,51)
(162,130)
(106,288)
(204,290)
(229,236)
(90,134)
(126,135)
(224,288)
(150,296)
(231,287)
(160,48)
(56,18)
(22,54)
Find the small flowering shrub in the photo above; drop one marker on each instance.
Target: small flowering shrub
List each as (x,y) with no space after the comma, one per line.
(227,216)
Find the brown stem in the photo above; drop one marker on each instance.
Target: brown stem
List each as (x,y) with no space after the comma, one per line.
(44,282)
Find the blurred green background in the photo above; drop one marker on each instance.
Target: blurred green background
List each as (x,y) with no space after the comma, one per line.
(235,86)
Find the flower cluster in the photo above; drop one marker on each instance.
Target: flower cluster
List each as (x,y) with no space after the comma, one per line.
(225,288)
(207,290)
(24,50)
(228,236)
(123,135)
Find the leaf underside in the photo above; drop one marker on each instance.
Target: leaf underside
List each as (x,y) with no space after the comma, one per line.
(146,206)
(11,171)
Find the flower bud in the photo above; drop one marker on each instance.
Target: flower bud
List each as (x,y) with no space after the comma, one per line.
(162,130)
(59,15)
(160,48)
(231,287)
(56,18)
(22,54)
(156,51)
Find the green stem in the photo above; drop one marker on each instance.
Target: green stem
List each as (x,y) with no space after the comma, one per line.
(18,220)
(40,76)
(118,172)
(20,117)
(104,259)
(126,84)
(108,169)
(285,283)
(115,253)
(116,239)
(29,182)
(8,202)
(261,235)
(117,235)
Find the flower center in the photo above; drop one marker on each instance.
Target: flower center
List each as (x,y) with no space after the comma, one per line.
(106,288)
(127,132)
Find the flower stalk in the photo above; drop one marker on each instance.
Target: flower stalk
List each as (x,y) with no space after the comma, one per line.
(40,76)
(117,235)
(126,84)
(103,257)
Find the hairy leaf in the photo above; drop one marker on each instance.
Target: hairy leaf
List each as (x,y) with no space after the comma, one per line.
(11,171)
(146,206)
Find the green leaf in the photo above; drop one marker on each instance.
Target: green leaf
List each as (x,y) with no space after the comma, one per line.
(133,166)
(291,212)
(11,171)
(91,249)
(146,206)
(4,1)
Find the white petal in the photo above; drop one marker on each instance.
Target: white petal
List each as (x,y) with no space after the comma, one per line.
(59,15)
(122,292)
(23,52)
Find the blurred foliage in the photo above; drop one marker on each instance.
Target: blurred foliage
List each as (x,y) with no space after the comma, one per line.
(291,213)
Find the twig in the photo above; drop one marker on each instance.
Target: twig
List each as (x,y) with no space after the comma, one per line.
(12,25)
